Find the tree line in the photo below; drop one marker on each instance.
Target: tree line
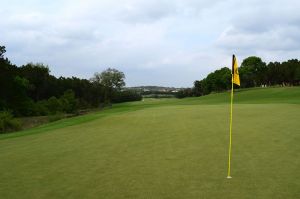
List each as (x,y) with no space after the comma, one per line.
(253,73)
(30,90)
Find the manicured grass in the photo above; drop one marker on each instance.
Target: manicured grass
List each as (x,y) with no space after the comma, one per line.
(162,149)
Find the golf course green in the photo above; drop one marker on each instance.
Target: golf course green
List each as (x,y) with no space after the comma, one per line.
(162,149)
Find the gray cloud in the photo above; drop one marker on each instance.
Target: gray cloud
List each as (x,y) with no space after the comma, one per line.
(154,42)
(266,27)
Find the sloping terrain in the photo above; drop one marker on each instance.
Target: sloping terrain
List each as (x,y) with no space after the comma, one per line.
(162,149)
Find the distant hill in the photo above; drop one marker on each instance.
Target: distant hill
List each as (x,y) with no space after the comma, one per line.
(154,89)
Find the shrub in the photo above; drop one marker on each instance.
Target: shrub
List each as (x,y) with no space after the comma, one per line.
(126,96)
(41,108)
(54,105)
(55,117)
(8,122)
(187,92)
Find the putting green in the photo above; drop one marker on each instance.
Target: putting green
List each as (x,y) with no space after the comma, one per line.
(161,149)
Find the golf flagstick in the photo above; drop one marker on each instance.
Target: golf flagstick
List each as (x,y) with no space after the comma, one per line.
(230,129)
(235,79)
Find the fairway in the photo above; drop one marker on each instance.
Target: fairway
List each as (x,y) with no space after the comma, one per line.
(162,149)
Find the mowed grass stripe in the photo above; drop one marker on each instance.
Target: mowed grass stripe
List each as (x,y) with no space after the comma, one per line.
(160,152)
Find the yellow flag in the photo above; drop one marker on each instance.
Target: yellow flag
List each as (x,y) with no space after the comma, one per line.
(235,71)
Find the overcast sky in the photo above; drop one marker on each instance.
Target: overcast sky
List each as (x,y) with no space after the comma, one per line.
(154,42)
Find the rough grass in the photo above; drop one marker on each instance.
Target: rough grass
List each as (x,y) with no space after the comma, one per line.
(162,149)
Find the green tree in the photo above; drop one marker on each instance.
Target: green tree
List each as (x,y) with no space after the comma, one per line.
(253,72)
(2,52)
(38,75)
(54,105)
(217,81)
(19,101)
(69,102)
(198,88)
(112,80)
